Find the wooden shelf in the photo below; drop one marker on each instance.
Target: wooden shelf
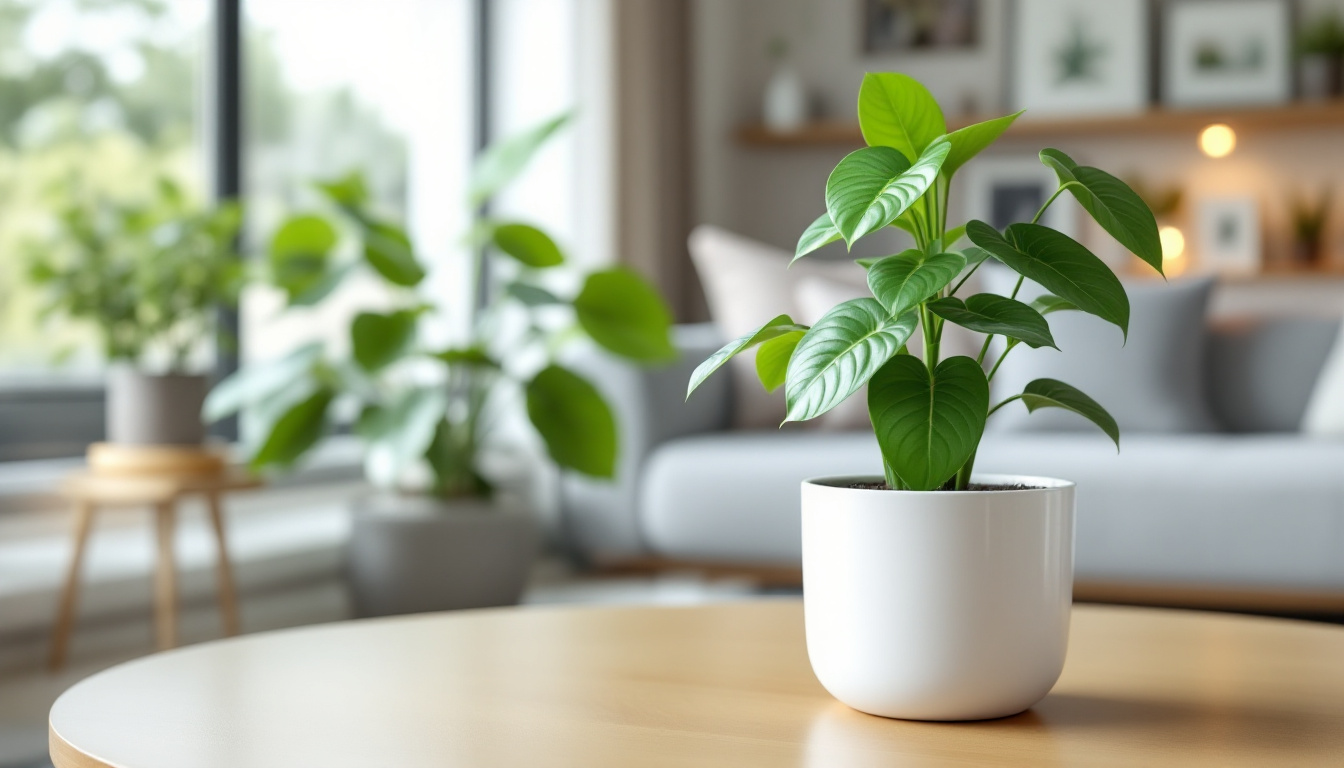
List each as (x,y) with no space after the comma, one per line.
(1297,116)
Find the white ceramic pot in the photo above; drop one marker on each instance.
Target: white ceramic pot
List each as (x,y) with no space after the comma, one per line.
(785,107)
(943,605)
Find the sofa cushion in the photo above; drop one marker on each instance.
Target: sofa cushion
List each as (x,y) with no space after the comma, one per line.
(1262,373)
(1153,382)
(1325,410)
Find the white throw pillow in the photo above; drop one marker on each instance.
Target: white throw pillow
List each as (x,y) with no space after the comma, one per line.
(1325,410)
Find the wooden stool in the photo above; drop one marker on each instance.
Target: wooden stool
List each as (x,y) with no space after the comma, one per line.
(161,477)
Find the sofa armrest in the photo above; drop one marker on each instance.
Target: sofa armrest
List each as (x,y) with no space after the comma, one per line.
(598,518)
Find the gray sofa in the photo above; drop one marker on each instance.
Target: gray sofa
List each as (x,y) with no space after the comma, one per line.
(1254,506)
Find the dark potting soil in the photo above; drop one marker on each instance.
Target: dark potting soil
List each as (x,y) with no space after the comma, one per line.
(973,487)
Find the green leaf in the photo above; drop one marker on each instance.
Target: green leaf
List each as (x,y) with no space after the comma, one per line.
(1116,207)
(1047,303)
(819,233)
(987,313)
(951,236)
(299,252)
(1050,393)
(348,191)
(904,280)
(388,250)
(624,314)
(974,255)
(773,329)
(873,186)
(574,421)
(772,359)
(970,141)
(528,245)
(297,430)
(323,288)
(532,295)
(840,354)
(897,111)
(470,356)
(260,381)
(505,159)
(377,340)
(1060,264)
(401,433)
(928,426)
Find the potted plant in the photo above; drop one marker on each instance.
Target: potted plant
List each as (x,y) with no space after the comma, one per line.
(150,276)
(931,593)
(1320,50)
(439,534)
(1309,218)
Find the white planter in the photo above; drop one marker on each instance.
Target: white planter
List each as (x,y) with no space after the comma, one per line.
(938,605)
(785,107)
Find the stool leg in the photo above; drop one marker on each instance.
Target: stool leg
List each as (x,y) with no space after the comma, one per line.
(165,580)
(65,611)
(228,600)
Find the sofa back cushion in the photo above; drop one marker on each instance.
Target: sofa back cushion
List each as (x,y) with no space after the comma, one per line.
(1262,373)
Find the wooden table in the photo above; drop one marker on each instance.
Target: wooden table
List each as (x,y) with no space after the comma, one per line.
(724,685)
(91,491)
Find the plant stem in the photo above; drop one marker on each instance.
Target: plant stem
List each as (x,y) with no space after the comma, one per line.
(893,481)
(963,280)
(1058,192)
(1002,357)
(963,479)
(1000,405)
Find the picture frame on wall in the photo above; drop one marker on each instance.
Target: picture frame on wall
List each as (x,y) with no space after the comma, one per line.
(1073,57)
(1229,235)
(1226,52)
(1008,190)
(920,26)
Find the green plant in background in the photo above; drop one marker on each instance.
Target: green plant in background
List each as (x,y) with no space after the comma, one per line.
(929,415)
(1310,216)
(435,406)
(1323,35)
(148,275)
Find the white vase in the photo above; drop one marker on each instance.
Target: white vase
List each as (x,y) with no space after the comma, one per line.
(785,107)
(943,605)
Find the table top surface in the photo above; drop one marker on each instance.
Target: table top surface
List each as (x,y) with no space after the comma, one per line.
(720,685)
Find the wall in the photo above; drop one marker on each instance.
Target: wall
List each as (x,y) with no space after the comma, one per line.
(773,193)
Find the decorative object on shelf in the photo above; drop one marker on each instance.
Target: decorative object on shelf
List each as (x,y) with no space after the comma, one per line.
(1310,215)
(1165,203)
(429,416)
(1080,57)
(785,106)
(1320,56)
(1226,52)
(896,572)
(1229,235)
(149,275)
(1008,190)
(915,26)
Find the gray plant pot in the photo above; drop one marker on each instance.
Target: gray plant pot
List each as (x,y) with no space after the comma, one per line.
(411,554)
(147,409)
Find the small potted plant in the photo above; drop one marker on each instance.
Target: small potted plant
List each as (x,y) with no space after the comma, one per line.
(150,276)
(439,534)
(929,592)
(1310,215)
(1320,50)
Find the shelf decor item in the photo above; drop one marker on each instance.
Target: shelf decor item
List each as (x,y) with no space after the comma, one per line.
(1077,57)
(929,592)
(150,276)
(1226,53)
(920,26)
(440,532)
(1310,217)
(1229,235)
(784,109)
(1320,56)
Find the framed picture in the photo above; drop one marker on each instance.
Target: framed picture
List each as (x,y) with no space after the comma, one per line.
(1229,235)
(1007,190)
(1081,56)
(900,26)
(1226,52)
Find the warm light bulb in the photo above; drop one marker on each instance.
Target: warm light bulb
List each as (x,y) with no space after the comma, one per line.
(1217,140)
(1173,250)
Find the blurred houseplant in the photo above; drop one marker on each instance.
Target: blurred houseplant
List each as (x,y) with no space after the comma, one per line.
(426,414)
(1310,215)
(1320,48)
(150,277)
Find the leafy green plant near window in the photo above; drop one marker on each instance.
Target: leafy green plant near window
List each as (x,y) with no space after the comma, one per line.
(150,275)
(929,414)
(436,406)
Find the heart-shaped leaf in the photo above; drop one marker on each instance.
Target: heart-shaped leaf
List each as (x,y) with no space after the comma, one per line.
(840,354)
(388,251)
(928,426)
(968,142)
(904,280)
(1059,263)
(871,187)
(772,359)
(1117,208)
(377,340)
(1047,303)
(625,314)
(897,111)
(529,245)
(988,313)
(298,429)
(299,252)
(1051,393)
(819,233)
(573,420)
(773,329)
